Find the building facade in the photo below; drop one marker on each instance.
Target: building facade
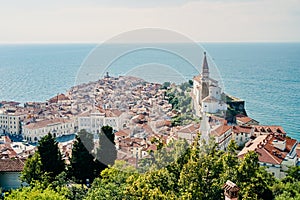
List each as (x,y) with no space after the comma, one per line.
(10,120)
(57,127)
(93,120)
(275,151)
(206,92)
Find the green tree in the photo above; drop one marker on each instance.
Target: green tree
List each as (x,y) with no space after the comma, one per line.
(254,181)
(106,152)
(112,183)
(50,155)
(166,85)
(293,173)
(82,163)
(35,192)
(284,189)
(33,169)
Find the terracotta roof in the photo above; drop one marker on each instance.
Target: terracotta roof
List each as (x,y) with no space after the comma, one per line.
(152,147)
(242,129)
(124,132)
(111,112)
(220,130)
(104,112)
(268,153)
(244,119)
(191,128)
(269,129)
(60,97)
(11,165)
(252,145)
(162,123)
(47,122)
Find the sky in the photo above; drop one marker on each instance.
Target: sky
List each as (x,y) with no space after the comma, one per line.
(35,21)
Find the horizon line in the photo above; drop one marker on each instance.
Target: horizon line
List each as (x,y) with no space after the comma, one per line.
(138,42)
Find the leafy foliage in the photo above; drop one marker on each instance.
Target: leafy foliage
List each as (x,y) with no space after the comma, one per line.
(36,192)
(199,173)
(32,169)
(175,171)
(181,101)
(50,155)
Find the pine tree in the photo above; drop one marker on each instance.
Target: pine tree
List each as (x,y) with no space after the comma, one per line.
(51,158)
(82,162)
(106,153)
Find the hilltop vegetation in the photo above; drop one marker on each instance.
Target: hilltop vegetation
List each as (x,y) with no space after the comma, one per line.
(195,172)
(181,100)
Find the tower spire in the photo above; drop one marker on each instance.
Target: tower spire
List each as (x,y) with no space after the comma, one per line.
(205,69)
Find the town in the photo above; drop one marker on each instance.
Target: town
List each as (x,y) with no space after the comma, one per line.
(140,112)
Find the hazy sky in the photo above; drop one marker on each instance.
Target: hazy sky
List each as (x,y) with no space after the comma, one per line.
(99,20)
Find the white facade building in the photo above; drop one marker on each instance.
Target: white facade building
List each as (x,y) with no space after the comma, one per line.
(275,151)
(93,120)
(10,120)
(57,127)
(207,93)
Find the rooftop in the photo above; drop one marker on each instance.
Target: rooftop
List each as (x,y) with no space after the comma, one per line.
(11,165)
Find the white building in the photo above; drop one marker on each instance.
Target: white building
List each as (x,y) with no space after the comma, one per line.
(57,127)
(10,120)
(207,93)
(216,128)
(93,120)
(242,134)
(275,151)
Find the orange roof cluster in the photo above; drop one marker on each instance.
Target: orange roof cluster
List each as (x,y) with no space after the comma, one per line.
(11,165)
(191,128)
(60,97)
(269,129)
(242,129)
(220,130)
(47,122)
(243,118)
(123,133)
(267,150)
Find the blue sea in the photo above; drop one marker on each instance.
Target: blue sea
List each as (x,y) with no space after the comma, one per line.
(265,75)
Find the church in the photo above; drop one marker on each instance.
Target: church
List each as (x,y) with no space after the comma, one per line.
(207,93)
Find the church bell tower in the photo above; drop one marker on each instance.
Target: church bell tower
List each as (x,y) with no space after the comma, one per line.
(204,79)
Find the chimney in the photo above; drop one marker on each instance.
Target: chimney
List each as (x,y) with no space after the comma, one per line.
(230,190)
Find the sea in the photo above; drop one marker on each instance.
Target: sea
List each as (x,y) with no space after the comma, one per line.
(265,75)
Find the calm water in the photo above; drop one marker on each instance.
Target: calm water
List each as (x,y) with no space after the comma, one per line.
(266,76)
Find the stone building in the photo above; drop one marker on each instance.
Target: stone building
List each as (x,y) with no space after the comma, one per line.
(207,92)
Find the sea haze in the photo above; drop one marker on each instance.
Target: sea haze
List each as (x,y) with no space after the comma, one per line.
(265,75)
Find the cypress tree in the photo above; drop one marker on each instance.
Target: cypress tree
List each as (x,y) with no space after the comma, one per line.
(51,158)
(82,162)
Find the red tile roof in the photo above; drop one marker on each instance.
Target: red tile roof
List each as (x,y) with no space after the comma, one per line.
(11,165)
(268,153)
(123,133)
(244,119)
(191,128)
(242,129)
(269,129)
(220,130)
(60,97)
